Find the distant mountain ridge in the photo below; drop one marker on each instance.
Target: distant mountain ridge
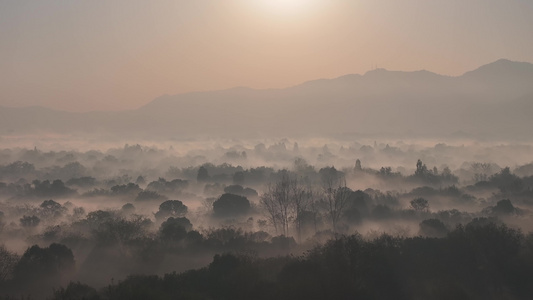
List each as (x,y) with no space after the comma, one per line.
(495,99)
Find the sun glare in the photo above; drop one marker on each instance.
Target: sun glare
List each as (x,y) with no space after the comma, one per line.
(285,7)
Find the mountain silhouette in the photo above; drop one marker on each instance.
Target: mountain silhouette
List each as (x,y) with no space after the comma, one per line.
(493,100)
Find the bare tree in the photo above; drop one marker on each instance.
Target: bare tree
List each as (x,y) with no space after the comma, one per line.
(8,260)
(301,199)
(284,202)
(336,194)
(277,202)
(269,204)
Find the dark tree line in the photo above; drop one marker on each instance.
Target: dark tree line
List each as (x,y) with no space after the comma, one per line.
(481,260)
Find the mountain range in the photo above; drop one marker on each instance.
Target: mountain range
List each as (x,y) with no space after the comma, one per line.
(495,100)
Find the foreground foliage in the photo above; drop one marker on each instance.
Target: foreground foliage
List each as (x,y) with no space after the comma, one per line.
(482,260)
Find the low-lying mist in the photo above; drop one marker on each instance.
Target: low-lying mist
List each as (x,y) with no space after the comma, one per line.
(97,213)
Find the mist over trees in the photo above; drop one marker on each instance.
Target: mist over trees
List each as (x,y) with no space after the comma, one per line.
(179,152)
(286,220)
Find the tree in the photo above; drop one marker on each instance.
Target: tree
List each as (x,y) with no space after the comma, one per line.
(119,231)
(30,221)
(284,202)
(128,208)
(129,189)
(2,223)
(238,178)
(149,196)
(358,166)
(336,194)
(8,260)
(447,176)
(202,176)
(78,212)
(175,228)
(85,181)
(16,170)
(504,207)
(302,200)
(420,204)
(421,169)
(231,205)
(76,291)
(506,181)
(140,180)
(357,207)
(171,208)
(98,217)
(163,186)
(52,209)
(235,189)
(43,267)
(433,228)
(55,189)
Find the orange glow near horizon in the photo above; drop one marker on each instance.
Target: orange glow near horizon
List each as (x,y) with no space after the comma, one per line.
(56,55)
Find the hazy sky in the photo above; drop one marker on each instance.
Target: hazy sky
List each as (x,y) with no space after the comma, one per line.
(100,55)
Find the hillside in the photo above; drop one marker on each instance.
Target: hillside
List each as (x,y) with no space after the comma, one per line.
(493,100)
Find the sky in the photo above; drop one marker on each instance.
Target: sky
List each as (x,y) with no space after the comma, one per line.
(116,55)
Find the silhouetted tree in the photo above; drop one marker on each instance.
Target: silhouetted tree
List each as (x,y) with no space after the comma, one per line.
(85,181)
(284,201)
(16,170)
(95,218)
(358,166)
(140,180)
(52,209)
(149,196)
(432,228)
(502,207)
(234,189)
(230,205)
(506,181)
(202,176)
(336,194)
(420,204)
(8,260)
(76,291)
(171,208)
(238,178)
(128,208)
(55,189)
(175,228)
(129,189)
(120,231)
(44,267)
(163,186)
(29,221)
(421,169)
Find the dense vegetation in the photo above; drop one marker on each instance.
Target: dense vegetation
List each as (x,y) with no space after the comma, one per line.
(72,228)
(482,260)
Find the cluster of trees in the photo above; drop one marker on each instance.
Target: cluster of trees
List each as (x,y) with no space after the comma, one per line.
(291,201)
(122,245)
(483,259)
(235,210)
(38,269)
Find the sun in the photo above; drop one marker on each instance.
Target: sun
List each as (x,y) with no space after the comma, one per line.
(285,7)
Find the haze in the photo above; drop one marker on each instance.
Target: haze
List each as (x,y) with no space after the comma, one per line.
(100,55)
(266,149)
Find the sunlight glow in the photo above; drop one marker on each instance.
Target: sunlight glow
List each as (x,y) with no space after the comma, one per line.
(285,7)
